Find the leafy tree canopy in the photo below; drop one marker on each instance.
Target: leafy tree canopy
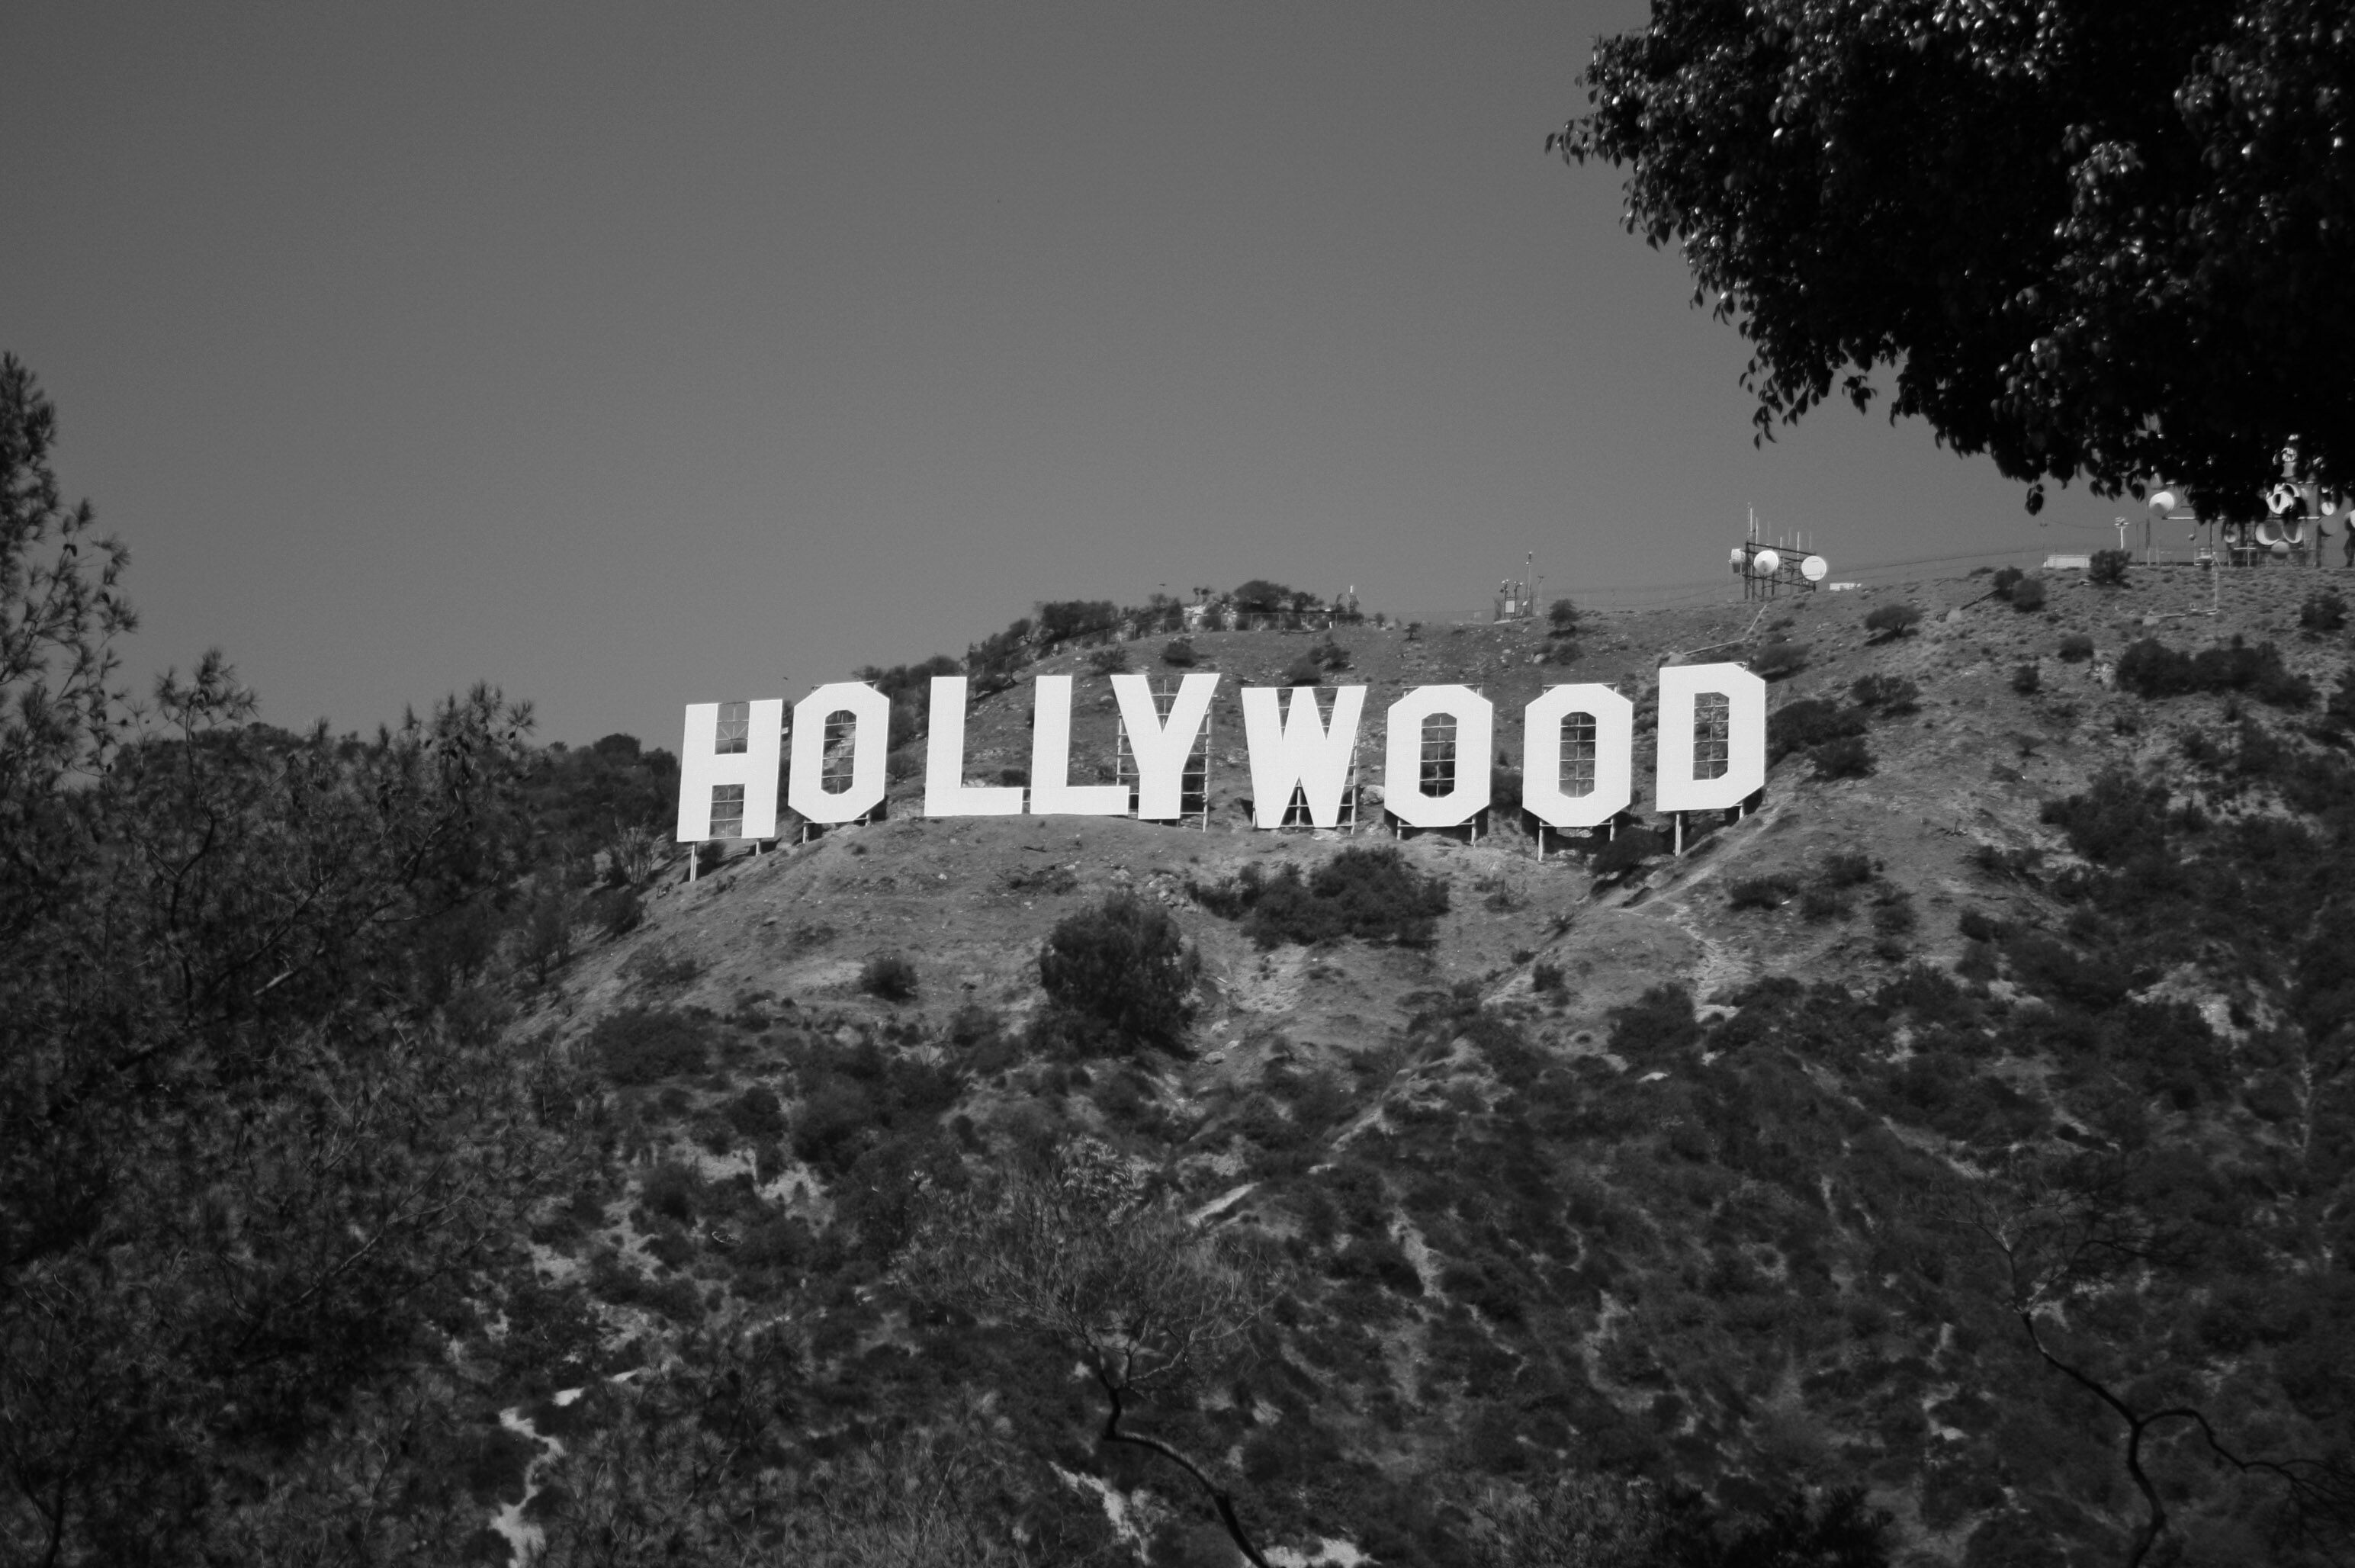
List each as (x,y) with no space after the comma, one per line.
(2090,240)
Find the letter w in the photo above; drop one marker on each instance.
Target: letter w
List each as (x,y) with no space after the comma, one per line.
(1298,751)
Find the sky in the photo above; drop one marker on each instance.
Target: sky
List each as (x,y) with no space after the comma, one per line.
(626,357)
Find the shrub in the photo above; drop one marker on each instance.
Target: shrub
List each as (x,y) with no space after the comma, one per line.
(1848,758)
(1122,970)
(1113,660)
(889,975)
(757,1113)
(1562,618)
(1563,651)
(1546,980)
(1799,726)
(2006,580)
(2108,567)
(2151,670)
(1846,869)
(1821,902)
(1892,696)
(671,1191)
(617,911)
(1763,892)
(2323,612)
(1626,852)
(646,1045)
(1977,925)
(2076,648)
(1371,894)
(1179,652)
(1893,621)
(2027,679)
(1304,671)
(2028,594)
(710,855)
(1659,1021)
(1331,655)
(1778,659)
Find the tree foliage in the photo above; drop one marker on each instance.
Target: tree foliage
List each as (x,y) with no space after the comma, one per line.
(254,1152)
(2090,240)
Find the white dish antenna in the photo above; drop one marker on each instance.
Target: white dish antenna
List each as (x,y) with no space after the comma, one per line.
(2162,500)
(1765,563)
(2282,499)
(1815,568)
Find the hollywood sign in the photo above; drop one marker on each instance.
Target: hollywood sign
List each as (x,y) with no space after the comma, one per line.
(1712,753)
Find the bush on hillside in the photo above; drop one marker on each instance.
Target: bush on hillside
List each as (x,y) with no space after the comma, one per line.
(1180,653)
(1801,726)
(889,975)
(1563,651)
(1654,1024)
(1893,621)
(1778,659)
(2323,612)
(1371,894)
(2108,567)
(1113,660)
(2151,670)
(2026,595)
(1119,975)
(1626,852)
(2027,679)
(2006,580)
(1846,869)
(1892,697)
(2076,648)
(1763,892)
(1846,758)
(646,1045)
(1304,671)
(1562,619)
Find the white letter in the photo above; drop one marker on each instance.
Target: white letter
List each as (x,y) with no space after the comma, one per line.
(945,791)
(1161,751)
(1610,778)
(1052,793)
(1299,752)
(1678,788)
(869,710)
(748,766)
(1475,726)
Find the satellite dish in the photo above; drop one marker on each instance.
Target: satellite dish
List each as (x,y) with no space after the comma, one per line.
(1736,556)
(2294,530)
(1815,568)
(2281,499)
(2269,531)
(1765,563)
(2162,500)
(2331,503)
(2281,548)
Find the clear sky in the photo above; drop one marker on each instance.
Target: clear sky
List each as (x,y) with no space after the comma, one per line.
(632,356)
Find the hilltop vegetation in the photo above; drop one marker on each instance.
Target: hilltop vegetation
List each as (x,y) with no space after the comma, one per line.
(1948,1161)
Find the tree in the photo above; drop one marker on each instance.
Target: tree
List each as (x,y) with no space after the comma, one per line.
(256,1150)
(2091,240)
(2076,1259)
(1073,1249)
(1120,974)
(1893,621)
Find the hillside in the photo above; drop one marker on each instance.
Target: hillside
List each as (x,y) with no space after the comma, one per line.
(1687,1174)
(1947,1161)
